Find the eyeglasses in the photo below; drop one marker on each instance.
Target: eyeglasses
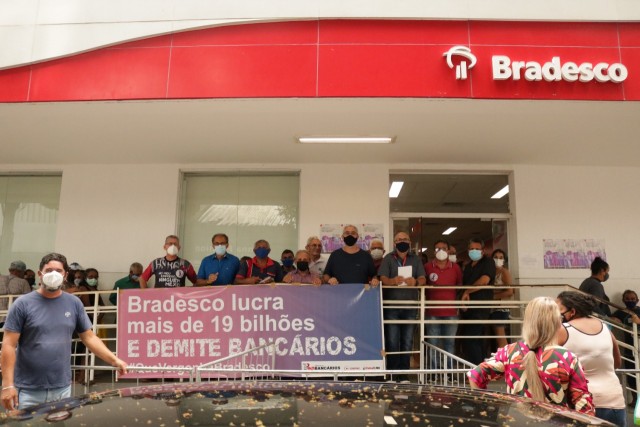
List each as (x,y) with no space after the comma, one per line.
(219,243)
(441,249)
(315,246)
(403,240)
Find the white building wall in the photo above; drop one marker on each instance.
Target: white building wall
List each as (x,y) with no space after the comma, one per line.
(113,215)
(37,30)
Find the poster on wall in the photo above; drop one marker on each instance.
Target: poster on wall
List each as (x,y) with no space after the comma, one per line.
(572,253)
(311,327)
(331,236)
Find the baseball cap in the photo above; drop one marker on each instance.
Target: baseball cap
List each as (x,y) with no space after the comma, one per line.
(18,265)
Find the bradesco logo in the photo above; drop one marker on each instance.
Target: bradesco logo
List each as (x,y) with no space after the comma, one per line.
(504,68)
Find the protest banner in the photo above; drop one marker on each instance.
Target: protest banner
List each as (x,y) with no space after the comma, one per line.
(313,328)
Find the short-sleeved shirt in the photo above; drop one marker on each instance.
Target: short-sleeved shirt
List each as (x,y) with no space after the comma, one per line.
(12,285)
(350,268)
(562,375)
(450,275)
(307,277)
(389,268)
(45,325)
(226,267)
(252,269)
(124,283)
(170,274)
(594,287)
(486,266)
(318,266)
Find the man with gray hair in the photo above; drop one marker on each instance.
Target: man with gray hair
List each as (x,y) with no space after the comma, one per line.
(317,264)
(376,249)
(13,284)
(350,264)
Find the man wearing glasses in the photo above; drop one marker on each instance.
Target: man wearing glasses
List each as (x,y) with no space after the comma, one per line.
(317,263)
(221,267)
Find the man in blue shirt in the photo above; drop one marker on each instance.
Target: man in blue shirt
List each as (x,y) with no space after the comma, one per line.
(36,349)
(219,268)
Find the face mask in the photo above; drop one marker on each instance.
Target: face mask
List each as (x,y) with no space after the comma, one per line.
(303,265)
(92,282)
(77,282)
(261,252)
(172,250)
(403,246)
(350,240)
(475,254)
(134,277)
(499,262)
(376,253)
(287,262)
(606,277)
(220,249)
(631,304)
(442,255)
(453,258)
(31,281)
(52,281)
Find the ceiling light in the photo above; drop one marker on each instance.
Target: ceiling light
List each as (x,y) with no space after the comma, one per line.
(396,186)
(500,194)
(449,231)
(345,140)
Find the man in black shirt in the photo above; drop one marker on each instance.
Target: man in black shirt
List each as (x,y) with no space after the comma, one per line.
(481,271)
(350,264)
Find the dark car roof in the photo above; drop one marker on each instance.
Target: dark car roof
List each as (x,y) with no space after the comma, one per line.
(298,403)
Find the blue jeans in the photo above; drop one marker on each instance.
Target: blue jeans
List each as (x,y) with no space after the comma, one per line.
(447,344)
(615,416)
(399,337)
(31,397)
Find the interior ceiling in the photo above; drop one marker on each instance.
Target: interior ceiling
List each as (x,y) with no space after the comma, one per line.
(263,131)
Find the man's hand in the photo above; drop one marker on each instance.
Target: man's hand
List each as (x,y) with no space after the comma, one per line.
(9,398)
(316,281)
(410,281)
(375,282)
(121,365)
(333,281)
(212,278)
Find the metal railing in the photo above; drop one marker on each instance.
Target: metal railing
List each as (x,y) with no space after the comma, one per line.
(423,350)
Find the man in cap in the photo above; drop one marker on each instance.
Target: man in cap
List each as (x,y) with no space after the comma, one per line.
(13,284)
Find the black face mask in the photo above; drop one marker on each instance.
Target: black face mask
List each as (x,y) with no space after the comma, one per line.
(350,240)
(303,265)
(403,247)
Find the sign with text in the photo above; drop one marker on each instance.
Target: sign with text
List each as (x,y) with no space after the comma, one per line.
(313,328)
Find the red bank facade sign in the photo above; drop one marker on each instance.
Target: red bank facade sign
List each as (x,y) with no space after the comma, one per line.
(351,58)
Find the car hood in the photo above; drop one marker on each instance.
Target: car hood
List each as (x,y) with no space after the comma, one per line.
(298,403)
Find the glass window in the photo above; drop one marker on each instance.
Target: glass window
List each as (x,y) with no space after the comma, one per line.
(246,207)
(28,217)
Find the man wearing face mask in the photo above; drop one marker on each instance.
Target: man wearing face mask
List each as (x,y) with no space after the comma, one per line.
(170,271)
(13,284)
(376,249)
(221,267)
(350,264)
(593,285)
(36,348)
(287,259)
(302,275)
(261,268)
(399,337)
(627,318)
(132,281)
(481,271)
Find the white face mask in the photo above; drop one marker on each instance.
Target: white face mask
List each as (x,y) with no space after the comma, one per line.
(220,249)
(376,253)
(172,250)
(499,262)
(52,280)
(442,255)
(453,258)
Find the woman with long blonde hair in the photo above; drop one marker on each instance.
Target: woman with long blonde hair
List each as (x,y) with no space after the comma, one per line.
(535,366)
